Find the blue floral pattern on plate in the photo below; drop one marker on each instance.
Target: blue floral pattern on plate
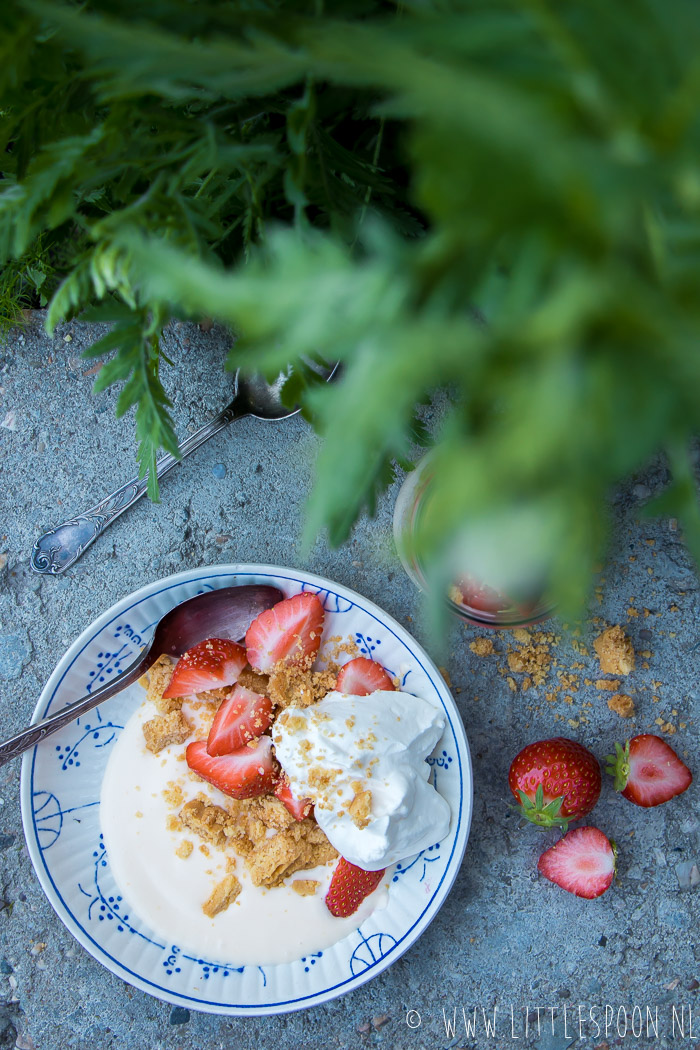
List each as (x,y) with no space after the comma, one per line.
(60,807)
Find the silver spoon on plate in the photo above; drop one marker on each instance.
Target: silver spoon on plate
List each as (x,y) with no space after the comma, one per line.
(61,546)
(223,613)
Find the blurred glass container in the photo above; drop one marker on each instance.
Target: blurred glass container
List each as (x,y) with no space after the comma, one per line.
(471,599)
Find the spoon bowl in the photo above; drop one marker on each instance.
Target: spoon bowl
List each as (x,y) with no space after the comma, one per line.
(223,613)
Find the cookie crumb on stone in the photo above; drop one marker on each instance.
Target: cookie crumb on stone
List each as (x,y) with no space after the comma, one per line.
(482,646)
(622,705)
(615,651)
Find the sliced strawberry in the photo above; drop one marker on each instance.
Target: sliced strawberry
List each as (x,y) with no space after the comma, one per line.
(246,773)
(288,633)
(243,716)
(349,887)
(211,664)
(360,677)
(583,862)
(648,771)
(298,807)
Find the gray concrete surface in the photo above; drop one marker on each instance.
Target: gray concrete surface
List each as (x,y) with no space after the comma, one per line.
(504,937)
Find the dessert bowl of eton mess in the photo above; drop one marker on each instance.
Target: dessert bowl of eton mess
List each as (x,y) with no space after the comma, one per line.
(264,823)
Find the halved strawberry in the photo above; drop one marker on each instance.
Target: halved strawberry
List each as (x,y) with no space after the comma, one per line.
(246,773)
(288,633)
(211,664)
(648,771)
(349,887)
(583,862)
(243,716)
(360,677)
(298,807)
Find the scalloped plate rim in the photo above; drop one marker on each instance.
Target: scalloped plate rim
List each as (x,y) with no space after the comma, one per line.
(460,835)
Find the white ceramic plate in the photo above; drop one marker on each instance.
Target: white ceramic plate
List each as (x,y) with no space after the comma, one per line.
(61,781)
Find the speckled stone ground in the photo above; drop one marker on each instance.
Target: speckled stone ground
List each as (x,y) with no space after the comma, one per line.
(504,937)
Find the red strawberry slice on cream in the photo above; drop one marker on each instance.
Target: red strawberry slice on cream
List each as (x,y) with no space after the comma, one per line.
(298,807)
(360,677)
(288,633)
(243,716)
(349,887)
(211,664)
(246,773)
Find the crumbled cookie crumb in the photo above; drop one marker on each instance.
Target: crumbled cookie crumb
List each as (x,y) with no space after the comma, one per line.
(250,679)
(305,887)
(455,595)
(615,651)
(261,830)
(360,808)
(162,730)
(299,686)
(482,646)
(611,684)
(622,705)
(184,849)
(532,659)
(338,646)
(206,820)
(173,794)
(300,847)
(222,895)
(156,680)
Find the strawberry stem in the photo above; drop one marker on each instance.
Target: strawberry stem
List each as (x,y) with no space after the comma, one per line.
(536,812)
(618,765)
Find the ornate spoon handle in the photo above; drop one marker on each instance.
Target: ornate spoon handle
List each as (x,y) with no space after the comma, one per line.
(61,546)
(21,742)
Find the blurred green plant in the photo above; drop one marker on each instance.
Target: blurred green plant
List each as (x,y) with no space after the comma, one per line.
(364,180)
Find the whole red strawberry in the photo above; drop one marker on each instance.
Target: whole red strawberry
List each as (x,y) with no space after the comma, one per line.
(555,781)
(648,771)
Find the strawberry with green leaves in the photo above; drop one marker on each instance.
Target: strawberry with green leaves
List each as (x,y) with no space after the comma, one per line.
(555,781)
(648,771)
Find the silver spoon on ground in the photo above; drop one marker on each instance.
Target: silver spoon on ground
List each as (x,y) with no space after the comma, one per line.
(61,546)
(224,613)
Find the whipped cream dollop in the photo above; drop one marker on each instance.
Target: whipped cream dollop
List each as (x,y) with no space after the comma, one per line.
(361,759)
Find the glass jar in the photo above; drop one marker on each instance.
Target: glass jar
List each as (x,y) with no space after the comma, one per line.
(469,598)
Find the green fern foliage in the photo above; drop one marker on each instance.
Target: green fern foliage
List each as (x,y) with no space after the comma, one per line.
(494,199)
